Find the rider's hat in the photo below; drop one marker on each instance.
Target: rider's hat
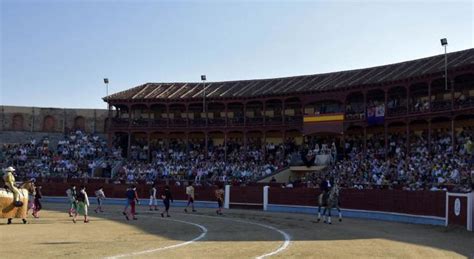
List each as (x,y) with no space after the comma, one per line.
(10,169)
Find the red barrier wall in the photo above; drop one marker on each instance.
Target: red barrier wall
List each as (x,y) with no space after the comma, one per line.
(416,202)
(248,194)
(118,190)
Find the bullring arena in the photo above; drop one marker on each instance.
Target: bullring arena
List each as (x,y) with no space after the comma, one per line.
(391,145)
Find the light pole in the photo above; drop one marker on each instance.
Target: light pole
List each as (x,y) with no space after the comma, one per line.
(106,82)
(203,79)
(444,43)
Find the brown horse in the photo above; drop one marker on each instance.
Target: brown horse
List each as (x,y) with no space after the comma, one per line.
(7,207)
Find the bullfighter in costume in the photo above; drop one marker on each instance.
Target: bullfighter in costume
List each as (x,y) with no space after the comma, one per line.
(9,179)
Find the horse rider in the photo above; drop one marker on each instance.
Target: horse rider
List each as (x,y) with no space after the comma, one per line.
(9,179)
(326,186)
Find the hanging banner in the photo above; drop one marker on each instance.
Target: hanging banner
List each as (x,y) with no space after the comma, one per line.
(376,114)
(331,123)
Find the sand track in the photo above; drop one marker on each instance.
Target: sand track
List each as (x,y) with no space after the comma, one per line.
(237,234)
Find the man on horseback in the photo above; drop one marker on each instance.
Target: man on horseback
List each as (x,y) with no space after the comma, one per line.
(326,186)
(329,198)
(9,180)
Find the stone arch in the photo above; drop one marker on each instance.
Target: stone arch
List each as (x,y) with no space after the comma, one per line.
(49,123)
(79,123)
(18,122)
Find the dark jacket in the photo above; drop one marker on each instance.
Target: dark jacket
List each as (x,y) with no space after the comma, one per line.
(167,195)
(38,194)
(131,194)
(325,186)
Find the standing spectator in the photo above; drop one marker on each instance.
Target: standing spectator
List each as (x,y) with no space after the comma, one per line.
(100,195)
(153,200)
(190,194)
(82,204)
(72,194)
(219,192)
(167,197)
(37,202)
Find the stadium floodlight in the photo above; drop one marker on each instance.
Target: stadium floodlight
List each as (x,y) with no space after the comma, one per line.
(444,43)
(203,79)
(106,82)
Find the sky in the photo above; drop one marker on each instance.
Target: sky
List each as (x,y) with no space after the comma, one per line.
(56,53)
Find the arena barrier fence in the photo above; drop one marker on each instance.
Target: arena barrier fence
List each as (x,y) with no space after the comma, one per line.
(143,202)
(419,207)
(460,209)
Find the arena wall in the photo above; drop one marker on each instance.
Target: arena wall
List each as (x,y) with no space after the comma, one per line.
(420,207)
(408,202)
(17,123)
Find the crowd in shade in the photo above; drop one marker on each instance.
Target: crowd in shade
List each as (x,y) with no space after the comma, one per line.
(230,163)
(417,166)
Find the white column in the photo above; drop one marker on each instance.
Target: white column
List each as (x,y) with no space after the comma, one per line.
(470,211)
(446,221)
(227,197)
(265,197)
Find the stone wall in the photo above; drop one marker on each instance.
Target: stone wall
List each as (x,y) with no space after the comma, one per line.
(22,123)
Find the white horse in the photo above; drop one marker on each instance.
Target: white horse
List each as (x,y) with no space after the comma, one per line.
(329,202)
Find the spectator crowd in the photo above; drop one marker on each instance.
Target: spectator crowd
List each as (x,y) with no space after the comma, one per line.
(77,155)
(417,166)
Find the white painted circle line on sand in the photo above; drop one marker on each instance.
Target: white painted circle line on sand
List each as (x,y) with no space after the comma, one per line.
(203,234)
(282,247)
(285,235)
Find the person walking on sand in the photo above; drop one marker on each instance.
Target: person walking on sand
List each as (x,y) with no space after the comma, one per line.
(37,201)
(82,204)
(153,200)
(71,195)
(132,200)
(190,194)
(167,197)
(219,192)
(100,195)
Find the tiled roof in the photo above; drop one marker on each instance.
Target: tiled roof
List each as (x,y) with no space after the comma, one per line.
(298,84)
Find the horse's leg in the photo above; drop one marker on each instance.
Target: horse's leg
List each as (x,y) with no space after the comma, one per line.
(340,214)
(319,213)
(329,213)
(324,214)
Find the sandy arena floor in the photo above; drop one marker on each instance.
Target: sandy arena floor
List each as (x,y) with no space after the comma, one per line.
(237,234)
